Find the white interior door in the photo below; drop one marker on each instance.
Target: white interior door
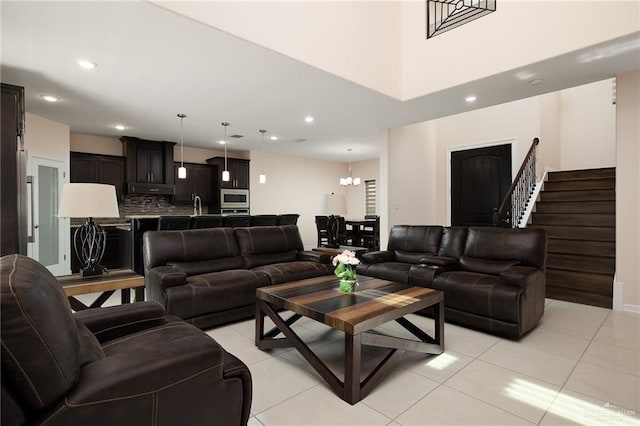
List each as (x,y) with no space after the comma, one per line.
(50,241)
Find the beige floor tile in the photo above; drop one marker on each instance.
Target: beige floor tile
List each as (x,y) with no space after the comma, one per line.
(573,408)
(626,320)
(554,342)
(620,389)
(275,381)
(246,350)
(254,422)
(516,393)
(224,334)
(399,390)
(572,318)
(531,362)
(447,406)
(435,367)
(613,357)
(320,406)
(626,337)
(468,342)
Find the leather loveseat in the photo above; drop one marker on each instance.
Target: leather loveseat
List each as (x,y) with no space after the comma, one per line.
(492,278)
(121,365)
(209,276)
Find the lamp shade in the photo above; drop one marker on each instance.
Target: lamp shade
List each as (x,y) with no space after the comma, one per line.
(88,200)
(335,204)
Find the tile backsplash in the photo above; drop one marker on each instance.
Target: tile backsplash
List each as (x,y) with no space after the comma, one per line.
(137,204)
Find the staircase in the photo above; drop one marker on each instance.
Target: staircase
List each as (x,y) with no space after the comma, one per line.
(577,209)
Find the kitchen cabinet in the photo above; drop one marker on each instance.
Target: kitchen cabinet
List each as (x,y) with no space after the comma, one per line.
(95,168)
(238,170)
(149,166)
(201,181)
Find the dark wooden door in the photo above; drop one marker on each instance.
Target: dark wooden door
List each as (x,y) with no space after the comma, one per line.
(479,180)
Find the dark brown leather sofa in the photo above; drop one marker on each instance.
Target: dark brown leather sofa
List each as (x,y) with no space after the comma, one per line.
(492,278)
(122,365)
(209,277)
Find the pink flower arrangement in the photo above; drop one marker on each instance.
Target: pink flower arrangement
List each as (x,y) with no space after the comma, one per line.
(345,265)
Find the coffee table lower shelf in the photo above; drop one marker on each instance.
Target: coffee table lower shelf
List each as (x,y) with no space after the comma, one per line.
(351,389)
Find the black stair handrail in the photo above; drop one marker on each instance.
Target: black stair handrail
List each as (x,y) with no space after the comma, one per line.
(516,199)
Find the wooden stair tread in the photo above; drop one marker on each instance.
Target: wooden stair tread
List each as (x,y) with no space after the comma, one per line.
(580,184)
(589,248)
(578,280)
(571,262)
(607,172)
(608,206)
(579,195)
(577,296)
(584,233)
(575,219)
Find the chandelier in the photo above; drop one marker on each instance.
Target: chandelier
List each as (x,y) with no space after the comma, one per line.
(445,15)
(350,180)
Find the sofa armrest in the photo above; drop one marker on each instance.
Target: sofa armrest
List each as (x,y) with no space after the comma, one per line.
(443,261)
(115,321)
(166,276)
(378,257)
(522,276)
(314,256)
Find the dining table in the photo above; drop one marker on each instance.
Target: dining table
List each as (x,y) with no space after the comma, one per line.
(358,227)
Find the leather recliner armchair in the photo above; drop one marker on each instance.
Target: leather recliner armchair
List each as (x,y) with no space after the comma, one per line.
(122,365)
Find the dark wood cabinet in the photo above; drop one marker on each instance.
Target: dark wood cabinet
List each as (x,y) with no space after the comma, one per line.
(149,166)
(11,169)
(96,168)
(201,181)
(238,170)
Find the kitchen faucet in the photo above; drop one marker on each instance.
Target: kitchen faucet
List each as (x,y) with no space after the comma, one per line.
(197,206)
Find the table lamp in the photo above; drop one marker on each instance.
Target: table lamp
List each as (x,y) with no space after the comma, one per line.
(334,205)
(89,200)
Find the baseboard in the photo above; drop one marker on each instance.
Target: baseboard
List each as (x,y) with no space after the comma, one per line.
(618,295)
(634,309)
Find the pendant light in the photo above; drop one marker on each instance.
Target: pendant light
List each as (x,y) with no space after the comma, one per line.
(182,172)
(263,177)
(350,180)
(225,174)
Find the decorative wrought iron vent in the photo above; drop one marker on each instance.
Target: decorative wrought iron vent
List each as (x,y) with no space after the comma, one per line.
(445,15)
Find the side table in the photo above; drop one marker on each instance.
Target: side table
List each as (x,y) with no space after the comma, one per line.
(108,283)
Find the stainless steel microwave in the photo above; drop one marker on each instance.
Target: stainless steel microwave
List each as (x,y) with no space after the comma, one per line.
(234,198)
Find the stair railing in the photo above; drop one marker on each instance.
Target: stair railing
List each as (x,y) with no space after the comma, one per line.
(517,197)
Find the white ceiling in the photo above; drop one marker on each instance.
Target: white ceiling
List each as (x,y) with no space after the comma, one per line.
(153,64)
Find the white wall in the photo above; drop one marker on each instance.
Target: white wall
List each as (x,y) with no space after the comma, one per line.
(365,170)
(294,185)
(628,189)
(588,126)
(46,136)
(411,165)
(382,44)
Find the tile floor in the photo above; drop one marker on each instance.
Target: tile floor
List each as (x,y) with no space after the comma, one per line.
(581,365)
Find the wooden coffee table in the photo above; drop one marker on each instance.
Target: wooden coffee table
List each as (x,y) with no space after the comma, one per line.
(374,303)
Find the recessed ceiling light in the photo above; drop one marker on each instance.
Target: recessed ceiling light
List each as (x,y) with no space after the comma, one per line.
(119,126)
(50,98)
(222,142)
(273,138)
(308,119)
(86,64)
(536,81)
(470,98)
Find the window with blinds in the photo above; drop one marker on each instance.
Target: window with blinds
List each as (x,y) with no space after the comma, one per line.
(370,197)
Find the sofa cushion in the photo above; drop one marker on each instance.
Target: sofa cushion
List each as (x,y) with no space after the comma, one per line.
(214,292)
(392,271)
(406,239)
(292,271)
(162,247)
(453,241)
(263,245)
(40,343)
(528,245)
(483,266)
(210,265)
(410,256)
(479,294)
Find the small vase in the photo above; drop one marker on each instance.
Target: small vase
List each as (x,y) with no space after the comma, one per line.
(347,286)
